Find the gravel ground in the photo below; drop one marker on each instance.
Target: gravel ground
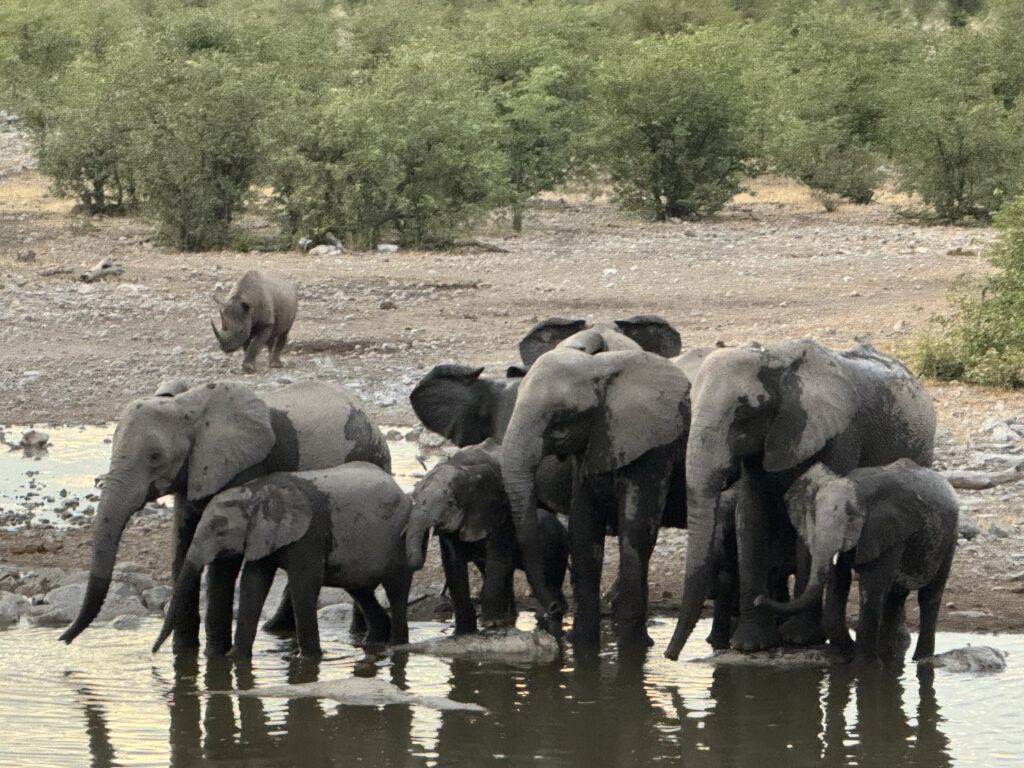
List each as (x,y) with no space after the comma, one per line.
(771,265)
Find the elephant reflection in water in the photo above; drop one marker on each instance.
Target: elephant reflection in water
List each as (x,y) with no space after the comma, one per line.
(308,735)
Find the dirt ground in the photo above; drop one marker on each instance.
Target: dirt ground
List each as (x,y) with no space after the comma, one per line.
(772,265)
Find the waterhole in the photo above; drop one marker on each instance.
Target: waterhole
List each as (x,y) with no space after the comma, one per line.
(107,701)
(56,485)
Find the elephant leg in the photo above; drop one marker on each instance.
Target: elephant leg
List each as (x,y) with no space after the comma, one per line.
(283,619)
(756,629)
(456,572)
(397,589)
(221,575)
(929,600)
(276,347)
(256,580)
(874,589)
(725,602)
(357,624)
(586,537)
(804,628)
(186,518)
(836,596)
(305,582)
(501,565)
(892,620)
(376,617)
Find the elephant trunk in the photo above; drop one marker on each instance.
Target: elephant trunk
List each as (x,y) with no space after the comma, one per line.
(188,583)
(711,461)
(811,596)
(417,535)
(117,505)
(522,452)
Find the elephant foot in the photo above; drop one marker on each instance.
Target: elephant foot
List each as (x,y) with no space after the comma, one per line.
(755,635)
(718,640)
(217,649)
(237,653)
(802,630)
(248,369)
(842,646)
(314,652)
(276,364)
(495,622)
(185,646)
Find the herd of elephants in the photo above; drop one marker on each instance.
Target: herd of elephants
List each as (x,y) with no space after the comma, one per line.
(790,464)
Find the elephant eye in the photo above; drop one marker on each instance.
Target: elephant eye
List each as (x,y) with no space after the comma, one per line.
(155,457)
(245,306)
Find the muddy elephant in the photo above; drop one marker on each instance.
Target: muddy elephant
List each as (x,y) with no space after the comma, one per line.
(896,526)
(197,443)
(340,527)
(258,313)
(463,500)
(767,413)
(621,418)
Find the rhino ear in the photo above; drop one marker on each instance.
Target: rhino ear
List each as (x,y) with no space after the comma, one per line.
(546,335)
(645,406)
(231,432)
(453,401)
(282,508)
(653,334)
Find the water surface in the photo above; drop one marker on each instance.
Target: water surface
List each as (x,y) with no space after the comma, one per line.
(107,701)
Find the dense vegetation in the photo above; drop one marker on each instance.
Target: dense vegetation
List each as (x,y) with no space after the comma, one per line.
(416,120)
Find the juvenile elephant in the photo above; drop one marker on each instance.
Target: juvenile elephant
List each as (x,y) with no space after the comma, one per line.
(339,527)
(621,417)
(195,444)
(896,526)
(463,499)
(766,413)
(258,312)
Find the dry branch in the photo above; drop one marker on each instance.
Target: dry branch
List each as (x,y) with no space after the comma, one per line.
(979,481)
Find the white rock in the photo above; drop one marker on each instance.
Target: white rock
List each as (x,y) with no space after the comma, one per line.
(505,644)
(357,692)
(337,615)
(127,621)
(973,658)
(387,248)
(324,250)
(11,608)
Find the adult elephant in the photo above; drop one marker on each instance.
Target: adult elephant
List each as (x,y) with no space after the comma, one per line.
(203,440)
(622,418)
(770,411)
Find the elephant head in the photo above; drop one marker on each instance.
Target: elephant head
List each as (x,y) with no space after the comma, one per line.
(607,410)
(195,442)
(467,408)
(463,495)
(235,323)
(254,520)
(779,405)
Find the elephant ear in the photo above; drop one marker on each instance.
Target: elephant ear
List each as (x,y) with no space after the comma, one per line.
(888,520)
(223,526)
(546,335)
(815,402)
(653,334)
(645,406)
(453,401)
(282,508)
(802,499)
(481,496)
(231,432)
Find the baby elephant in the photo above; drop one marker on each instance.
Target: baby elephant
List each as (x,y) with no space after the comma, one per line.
(258,312)
(339,527)
(463,499)
(897,527)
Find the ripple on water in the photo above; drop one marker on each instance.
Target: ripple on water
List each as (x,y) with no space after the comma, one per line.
(106,700)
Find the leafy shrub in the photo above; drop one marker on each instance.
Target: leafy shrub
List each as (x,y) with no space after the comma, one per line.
(982,342)
(672,122)
(413,152)
(954,138)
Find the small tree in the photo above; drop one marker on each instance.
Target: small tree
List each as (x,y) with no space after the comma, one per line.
(953,136)
(672,122)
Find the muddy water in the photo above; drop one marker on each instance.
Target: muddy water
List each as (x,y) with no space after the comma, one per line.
(107,701)
(57,485)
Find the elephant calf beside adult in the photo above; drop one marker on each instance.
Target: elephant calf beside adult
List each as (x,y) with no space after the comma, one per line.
(771,412)
(195,444)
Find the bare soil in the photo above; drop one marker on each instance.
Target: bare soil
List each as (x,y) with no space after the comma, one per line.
(773,264)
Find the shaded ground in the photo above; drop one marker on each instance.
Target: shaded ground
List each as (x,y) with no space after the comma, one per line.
(772,265)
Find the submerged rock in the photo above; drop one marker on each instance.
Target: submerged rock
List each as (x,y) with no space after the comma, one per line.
(505,644)
(11,607)
(973,658)
(356,692)
(776,657)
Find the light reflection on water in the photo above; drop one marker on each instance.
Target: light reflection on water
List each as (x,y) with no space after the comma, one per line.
(106,701)
(77,455)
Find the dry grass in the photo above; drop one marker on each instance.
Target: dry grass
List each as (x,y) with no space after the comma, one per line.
(30,191)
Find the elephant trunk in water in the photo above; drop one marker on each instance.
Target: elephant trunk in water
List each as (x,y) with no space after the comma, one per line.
(118,502)
(522,452)
(708,455)
(188,583)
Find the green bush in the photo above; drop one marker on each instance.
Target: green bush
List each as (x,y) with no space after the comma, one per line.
(954,139)
(671,122)
(982,342)
(413,153)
